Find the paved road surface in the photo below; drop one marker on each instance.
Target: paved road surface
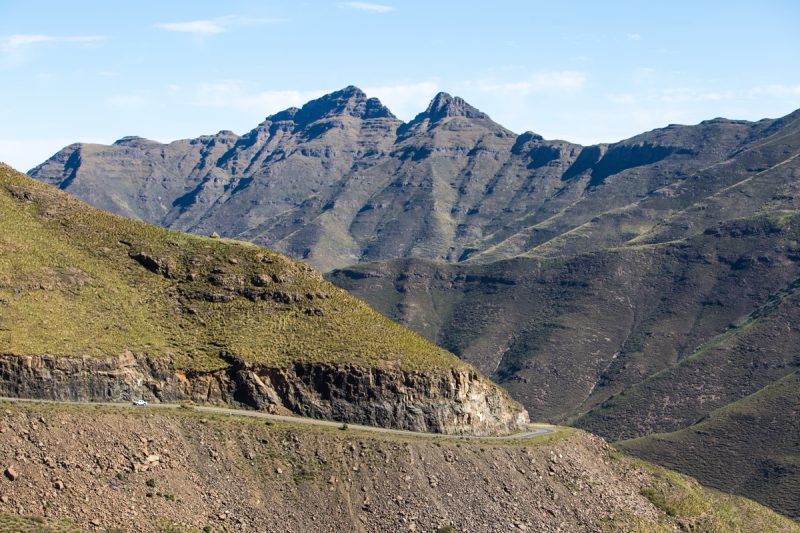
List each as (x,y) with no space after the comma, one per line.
(531,432)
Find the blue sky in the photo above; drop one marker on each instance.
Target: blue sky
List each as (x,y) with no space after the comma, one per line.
(582,71)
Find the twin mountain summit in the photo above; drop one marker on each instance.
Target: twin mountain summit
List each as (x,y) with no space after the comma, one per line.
(644,290)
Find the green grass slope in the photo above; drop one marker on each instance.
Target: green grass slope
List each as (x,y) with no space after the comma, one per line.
(76,281)
(748,447)
(689,506)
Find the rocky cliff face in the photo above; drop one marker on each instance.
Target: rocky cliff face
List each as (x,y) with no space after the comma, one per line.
(454,402)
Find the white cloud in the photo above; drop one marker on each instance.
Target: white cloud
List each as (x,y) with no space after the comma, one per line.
(213,26)
(684,95)
(193,26)
(23,40)
(634,37)
(126,101)
(621,98)
(365,6)
(674,95)
(405,100)
(239,95)
(776,90)
(540,82)
(566,80)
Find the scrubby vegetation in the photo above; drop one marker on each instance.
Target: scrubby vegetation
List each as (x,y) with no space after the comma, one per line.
(10,523)
(698,508)
(80,282)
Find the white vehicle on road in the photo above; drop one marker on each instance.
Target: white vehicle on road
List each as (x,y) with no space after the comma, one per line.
(140,403)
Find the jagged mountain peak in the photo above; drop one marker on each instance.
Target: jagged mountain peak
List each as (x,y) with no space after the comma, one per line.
(350,101)
(444,105)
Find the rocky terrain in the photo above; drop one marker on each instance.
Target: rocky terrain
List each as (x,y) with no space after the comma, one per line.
(630,289)
(104,468)
(98,307)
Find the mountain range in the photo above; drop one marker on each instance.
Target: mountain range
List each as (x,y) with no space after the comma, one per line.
(97,307)
(645,289)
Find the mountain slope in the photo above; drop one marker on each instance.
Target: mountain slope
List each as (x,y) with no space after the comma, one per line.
(95,306)
(747,447)
(177,470)
(566,334)
(630,341)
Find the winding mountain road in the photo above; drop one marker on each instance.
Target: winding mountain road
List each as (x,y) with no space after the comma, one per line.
(532,431)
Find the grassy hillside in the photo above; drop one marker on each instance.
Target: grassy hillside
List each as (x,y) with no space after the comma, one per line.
(77,281)
(747,447)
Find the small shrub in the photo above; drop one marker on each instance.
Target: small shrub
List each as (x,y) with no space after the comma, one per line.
(344,426)
(446,529)
(150,483)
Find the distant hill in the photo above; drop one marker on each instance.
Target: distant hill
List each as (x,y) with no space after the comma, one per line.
(99,307)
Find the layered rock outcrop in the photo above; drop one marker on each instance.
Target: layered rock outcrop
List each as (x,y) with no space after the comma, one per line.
(455,401)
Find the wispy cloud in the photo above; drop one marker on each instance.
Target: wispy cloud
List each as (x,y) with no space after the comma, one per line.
(540,82)
(405,99)
(634,37)
(776,90)
(365,6)
(240,95)
(678,95)
(194,26)
(23,40)
(213,26)
(126,101)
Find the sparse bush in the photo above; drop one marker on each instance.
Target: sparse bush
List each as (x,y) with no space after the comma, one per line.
(150,483)
(344,426)
(446,529)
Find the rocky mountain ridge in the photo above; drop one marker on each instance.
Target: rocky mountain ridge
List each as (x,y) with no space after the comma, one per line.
(342,181)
